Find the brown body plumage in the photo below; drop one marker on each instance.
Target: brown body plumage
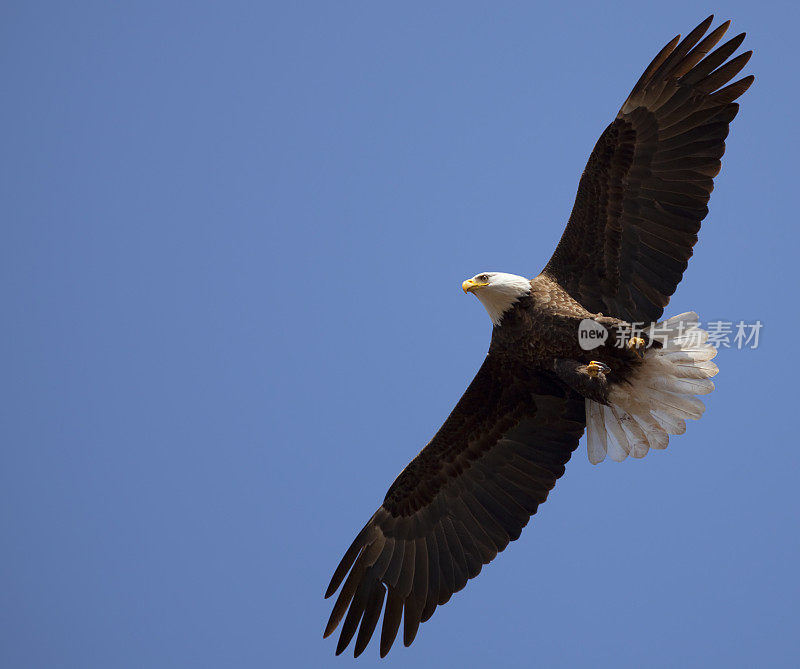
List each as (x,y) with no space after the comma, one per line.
(473,488)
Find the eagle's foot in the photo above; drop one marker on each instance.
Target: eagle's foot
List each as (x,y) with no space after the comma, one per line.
(637,345)
(595,367)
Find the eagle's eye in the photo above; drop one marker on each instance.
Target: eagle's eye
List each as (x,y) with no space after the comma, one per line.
(484,278)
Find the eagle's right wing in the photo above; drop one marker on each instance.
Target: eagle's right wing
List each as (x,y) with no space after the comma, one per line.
(645,188)
(468,493)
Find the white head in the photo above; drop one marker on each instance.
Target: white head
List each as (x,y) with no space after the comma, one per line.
(497,291)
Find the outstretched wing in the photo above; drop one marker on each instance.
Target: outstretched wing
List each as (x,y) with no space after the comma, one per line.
(645,188)
(468,493)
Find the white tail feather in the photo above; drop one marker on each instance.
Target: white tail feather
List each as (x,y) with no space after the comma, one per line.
(661,395)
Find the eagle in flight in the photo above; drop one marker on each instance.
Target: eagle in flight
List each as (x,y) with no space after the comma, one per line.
(576,348)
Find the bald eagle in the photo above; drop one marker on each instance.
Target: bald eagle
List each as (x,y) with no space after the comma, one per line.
(630,383)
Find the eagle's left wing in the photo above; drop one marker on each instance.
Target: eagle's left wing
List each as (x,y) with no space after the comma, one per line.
(645,188)
(468,493)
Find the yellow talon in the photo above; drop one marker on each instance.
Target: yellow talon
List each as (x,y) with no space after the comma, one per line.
(636,344)
(595,367)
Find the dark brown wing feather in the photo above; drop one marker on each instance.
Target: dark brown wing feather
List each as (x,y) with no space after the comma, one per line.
(645,188)
(468,493)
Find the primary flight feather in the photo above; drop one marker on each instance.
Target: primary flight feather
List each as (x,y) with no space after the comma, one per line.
(637,213)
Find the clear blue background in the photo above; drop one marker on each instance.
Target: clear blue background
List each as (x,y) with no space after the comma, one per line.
(233,241)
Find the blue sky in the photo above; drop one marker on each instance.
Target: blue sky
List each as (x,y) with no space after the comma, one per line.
(234,236)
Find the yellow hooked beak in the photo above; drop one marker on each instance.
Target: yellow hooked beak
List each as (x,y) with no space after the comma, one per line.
(470,284)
